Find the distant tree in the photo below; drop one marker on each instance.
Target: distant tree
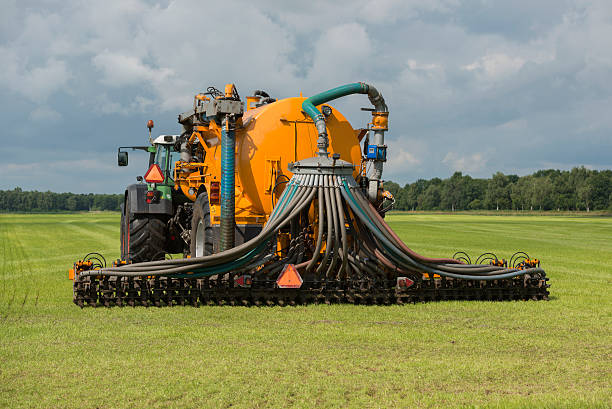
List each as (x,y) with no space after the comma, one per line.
(414,191)
(475,204)
(430,199)
(17,200)
(519,193)
(498,193)
(541,193)
(452,195)
(585,194)
(601,187)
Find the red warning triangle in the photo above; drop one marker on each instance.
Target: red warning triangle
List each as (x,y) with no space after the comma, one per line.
(154,174)
(289,277)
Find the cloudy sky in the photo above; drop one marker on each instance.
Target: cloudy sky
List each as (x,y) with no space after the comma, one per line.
(476,86)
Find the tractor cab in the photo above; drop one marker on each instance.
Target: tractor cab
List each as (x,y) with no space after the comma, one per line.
(162,156)
(165,156)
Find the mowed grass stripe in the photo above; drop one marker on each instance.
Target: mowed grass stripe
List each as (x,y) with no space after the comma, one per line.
(451,354)
(47,242)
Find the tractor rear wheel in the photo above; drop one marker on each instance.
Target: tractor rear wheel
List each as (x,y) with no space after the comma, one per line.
(201,228)
(143,236)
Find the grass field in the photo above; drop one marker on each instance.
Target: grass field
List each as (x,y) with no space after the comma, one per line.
(450,354)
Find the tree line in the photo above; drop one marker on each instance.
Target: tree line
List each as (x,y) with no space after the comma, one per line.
(577,189)
(18,200)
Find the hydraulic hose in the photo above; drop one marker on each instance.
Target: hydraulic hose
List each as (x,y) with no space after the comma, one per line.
(140,270)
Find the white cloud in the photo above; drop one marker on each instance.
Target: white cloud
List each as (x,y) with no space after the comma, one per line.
(418,66)
(340,52)
(514,125)
(45,114)
(34,82)
(403,159)
(120,70)
(496,65)
(465,163)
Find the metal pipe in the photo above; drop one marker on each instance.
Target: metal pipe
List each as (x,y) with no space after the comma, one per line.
(381,112)
(380,106)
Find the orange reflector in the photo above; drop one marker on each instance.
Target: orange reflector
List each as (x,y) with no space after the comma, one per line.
(404,282)
(154,174)
(71,274)
(289,277)
(214,196)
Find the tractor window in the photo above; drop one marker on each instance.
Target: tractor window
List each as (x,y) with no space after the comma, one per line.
(174,157)
(161,157)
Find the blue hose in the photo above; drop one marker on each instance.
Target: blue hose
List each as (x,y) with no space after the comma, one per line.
(228,183)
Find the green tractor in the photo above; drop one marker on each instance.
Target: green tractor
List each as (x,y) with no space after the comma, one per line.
(154,221)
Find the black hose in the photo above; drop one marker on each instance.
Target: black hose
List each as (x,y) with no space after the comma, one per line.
(319,245)
(342,222)
(157,267)
(359,212)
(329,238)
(336,237)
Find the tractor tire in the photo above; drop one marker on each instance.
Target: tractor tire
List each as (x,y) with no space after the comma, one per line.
(201,228)
(122,234)
(143,236)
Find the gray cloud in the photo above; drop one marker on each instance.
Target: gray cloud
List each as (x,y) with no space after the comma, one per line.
(475,86)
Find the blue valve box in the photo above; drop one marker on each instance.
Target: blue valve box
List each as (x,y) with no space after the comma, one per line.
(376,152)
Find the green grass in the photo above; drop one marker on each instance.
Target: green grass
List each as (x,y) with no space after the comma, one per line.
(449,354)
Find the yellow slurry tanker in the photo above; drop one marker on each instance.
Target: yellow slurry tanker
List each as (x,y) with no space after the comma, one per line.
(278,202)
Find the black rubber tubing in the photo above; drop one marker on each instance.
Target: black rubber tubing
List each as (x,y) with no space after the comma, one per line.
(319,245)
(429,269)
(157,268)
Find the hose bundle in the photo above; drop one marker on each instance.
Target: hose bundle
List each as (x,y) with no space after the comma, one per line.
(346,238)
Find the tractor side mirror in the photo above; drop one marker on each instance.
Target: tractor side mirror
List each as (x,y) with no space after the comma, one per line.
(122,158)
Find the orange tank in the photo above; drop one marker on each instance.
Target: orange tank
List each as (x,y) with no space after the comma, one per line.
(268,138)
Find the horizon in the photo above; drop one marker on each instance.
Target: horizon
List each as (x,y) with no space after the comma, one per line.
(401,185)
